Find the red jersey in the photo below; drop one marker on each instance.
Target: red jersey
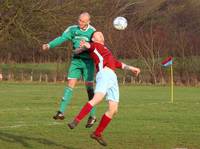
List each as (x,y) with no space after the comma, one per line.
(102,57)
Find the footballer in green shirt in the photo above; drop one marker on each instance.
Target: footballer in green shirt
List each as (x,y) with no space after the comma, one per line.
(81,64)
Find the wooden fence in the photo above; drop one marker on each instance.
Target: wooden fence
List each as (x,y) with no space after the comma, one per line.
(124,78)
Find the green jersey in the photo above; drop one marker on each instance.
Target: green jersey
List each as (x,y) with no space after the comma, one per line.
(75,34)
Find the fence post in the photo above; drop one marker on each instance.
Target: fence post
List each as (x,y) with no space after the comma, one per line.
(40,78)
(22,76)
(31,78)
(10,76)
(123,80)
(64,76)
(1,77)
(55,78)
(132,80)
(46,78)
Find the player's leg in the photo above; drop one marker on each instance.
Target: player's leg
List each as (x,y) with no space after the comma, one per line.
(98,97)
(88,76)
(105,120)
(73,75)
(102,85)
(107,117)
(113,100)
(92,116)
(65,99)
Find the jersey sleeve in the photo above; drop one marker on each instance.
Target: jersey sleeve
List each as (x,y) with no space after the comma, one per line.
(92,47)
(66,35)
(118,64)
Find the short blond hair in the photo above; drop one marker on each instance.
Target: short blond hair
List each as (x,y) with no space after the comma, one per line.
(85,14)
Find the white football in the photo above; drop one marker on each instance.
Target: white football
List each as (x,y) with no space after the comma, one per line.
(120,23)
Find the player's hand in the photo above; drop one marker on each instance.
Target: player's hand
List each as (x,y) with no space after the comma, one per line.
(135,70)
(84,44)
(45,47)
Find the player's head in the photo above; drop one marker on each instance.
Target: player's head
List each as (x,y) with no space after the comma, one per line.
(84,20)
(98,37)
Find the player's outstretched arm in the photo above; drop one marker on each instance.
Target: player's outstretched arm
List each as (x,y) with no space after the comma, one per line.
(134,70)
(66,35)
(58,41)
(124,66)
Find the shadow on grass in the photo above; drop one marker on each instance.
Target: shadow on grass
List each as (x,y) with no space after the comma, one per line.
(23,140)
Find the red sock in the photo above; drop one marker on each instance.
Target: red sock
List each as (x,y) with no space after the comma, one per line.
(105,120)
(84,111)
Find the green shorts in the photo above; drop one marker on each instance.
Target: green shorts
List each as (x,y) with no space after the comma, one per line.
(81,67)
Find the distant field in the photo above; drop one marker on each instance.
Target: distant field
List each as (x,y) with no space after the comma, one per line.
(186,71)
(36,67)
(146,118)
(192,64)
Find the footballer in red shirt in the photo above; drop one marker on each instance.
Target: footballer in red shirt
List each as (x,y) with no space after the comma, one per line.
(106,84)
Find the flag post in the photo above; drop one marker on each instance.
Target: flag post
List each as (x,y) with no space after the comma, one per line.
(169,62)
(172,84)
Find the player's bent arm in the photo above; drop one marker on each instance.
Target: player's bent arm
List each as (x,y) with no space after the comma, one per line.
(84,44)
(79,50)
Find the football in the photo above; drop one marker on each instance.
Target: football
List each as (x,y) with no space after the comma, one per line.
(120,23)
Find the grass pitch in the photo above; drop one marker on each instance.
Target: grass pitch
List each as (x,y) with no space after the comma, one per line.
(146,118)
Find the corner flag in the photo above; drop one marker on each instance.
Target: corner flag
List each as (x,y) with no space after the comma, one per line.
(168,62)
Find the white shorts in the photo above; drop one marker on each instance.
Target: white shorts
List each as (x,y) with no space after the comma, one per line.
(106,83)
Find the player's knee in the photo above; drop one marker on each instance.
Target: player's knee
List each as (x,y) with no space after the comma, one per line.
(97,98)
(71,83)
(63,99)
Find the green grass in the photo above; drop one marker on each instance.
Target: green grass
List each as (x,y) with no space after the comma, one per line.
(146,118)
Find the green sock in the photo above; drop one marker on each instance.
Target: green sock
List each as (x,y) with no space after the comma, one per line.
(66,99)
(93,112)
(90,92)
